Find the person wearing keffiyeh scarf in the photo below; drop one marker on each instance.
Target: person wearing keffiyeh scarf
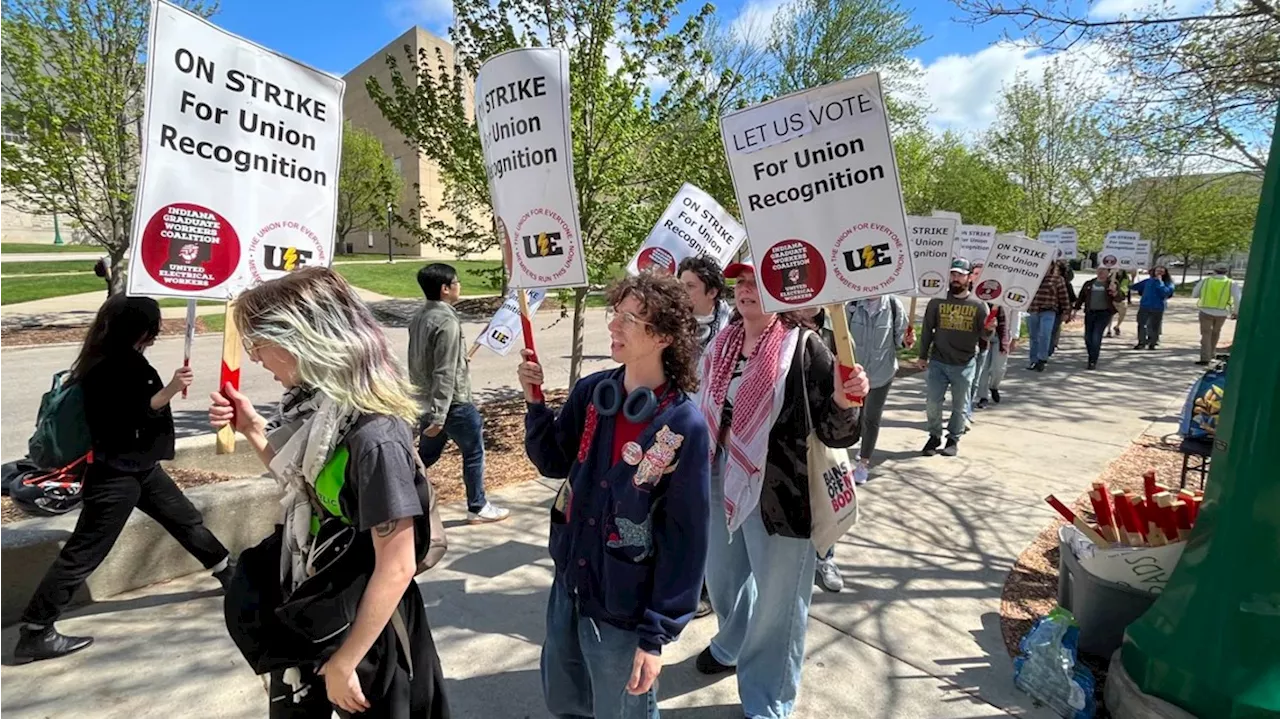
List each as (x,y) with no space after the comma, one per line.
(756,377)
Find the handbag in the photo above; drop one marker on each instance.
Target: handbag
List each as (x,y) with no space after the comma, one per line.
(833,501)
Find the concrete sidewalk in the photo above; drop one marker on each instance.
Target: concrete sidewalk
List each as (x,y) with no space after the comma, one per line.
(915,634)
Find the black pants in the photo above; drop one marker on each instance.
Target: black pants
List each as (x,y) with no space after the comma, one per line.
(1095,324)
(109,497)
(1150,324)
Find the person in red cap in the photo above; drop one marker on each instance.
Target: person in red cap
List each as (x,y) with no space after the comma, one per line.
(763,378)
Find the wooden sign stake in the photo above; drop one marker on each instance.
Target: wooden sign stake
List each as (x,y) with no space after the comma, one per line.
(230,374)
(527,326)
(845,351)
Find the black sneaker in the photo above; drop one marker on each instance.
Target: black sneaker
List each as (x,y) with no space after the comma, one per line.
(224,576)
(38,644)
(995,395)
(952,448)
(1040,365)
(931,447)
(1139,346)
(1109,333)
(982,403)
(1092,365)
(1153,345)
(1201,362)
(1117,332)
(707,664)
(704,605)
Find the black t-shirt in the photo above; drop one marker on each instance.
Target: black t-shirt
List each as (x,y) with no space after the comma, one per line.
(382,475)
(127,434)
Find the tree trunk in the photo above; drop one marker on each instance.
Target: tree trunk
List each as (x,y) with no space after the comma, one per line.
(115,274)
(1186,260)
(579,325)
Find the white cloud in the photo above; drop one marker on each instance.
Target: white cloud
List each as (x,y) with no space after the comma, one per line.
(434,15)
(754,22)
(964,90)
(1109,9)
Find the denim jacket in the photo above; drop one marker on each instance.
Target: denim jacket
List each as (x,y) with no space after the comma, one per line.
(629,542)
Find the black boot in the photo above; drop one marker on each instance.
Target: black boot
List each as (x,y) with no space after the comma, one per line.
(707,664)
(931,447)
(37,644)
(995,395)
(225,574)
(952,448)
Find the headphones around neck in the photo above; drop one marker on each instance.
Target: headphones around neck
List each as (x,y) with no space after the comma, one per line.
(637,407)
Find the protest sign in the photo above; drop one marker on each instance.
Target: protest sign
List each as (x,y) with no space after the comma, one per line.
(693,224)
(505,327)
(949,215)
(1119,251)
(522,112)
(1068,242)
(240,156)
(1013,270)
(1051,238)
(1142,257)
(931,239)
(973,243)
(816,179)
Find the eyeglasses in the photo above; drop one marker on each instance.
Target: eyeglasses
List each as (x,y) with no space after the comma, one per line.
(628,319)
(250,347)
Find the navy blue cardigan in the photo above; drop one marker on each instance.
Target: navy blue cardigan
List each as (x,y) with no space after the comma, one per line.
(631,546)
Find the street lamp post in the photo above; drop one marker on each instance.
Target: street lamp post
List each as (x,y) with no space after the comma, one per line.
(390,208)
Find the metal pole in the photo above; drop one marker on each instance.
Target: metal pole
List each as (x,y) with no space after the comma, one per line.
(1208,644)
(390,259)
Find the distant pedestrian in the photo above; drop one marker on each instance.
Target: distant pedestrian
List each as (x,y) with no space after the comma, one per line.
(1154,292)
(1098,297)
(1051,301)
(982,361)
(1005,344)
(1217,297)
(948,345)
(1069,277)
(1123,283)
(126,407)
(439,368)
(704,281)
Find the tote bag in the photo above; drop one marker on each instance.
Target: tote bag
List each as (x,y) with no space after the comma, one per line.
(833,501)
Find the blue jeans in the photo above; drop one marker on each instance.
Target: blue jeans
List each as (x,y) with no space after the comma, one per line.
(586,664)
(760,587)
(464,426)
(1040,327)
(1096,323)
(938,377)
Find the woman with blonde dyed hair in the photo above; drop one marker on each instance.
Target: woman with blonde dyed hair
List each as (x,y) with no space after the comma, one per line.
(327,605)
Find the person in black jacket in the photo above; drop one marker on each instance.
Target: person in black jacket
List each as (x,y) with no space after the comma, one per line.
(763,378)
(127,409)
(1098,297)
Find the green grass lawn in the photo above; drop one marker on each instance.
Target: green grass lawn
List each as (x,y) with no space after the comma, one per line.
(175,302)
(30,248)
(401,278)
(45,268)
(214,323)
(26,289)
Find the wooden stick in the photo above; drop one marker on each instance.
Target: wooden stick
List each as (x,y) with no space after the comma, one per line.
(845,351)
(527,326)
(472,353)
(1149,484)
(189,338)
(1077,522)
(1166,516)
(1106,517)
(230,374)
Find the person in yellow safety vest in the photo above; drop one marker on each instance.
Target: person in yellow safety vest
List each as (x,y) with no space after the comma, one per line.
(1217,296)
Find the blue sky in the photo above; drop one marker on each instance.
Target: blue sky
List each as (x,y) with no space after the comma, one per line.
(964,66)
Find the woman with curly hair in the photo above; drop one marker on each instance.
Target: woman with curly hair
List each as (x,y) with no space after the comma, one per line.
(327,605)
(768,381)
(629,525)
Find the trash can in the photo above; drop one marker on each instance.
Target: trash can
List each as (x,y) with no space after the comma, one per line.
(1103,609)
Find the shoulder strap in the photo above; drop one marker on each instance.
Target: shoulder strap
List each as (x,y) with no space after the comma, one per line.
(893,310)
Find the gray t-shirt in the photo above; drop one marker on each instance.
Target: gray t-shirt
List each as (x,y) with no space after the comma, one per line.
(382,474)
(1097,297)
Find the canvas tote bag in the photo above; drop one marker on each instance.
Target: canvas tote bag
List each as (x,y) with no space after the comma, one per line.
(833,501)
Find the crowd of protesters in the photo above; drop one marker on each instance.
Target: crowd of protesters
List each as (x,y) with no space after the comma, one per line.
(685,479)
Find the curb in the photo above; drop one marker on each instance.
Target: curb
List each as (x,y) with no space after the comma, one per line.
(199,452)
(239,512)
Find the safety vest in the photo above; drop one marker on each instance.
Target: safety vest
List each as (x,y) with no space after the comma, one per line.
(1215,293)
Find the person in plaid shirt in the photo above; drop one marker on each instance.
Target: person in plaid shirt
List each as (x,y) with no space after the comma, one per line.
(1051,301)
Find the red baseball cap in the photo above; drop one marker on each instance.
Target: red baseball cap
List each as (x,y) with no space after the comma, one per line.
(737,269)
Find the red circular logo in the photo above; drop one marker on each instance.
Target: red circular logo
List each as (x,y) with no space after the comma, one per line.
(989,290)
(189,247)
(658,259)
(793,272)
(1109,261)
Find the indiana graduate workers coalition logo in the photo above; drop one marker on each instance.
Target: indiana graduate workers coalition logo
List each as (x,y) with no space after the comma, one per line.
(189,247)
(281,247)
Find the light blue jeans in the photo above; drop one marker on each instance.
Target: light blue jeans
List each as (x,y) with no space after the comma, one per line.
(936,380)
(586,664)
(1040,327)
(981,371)
(760,587)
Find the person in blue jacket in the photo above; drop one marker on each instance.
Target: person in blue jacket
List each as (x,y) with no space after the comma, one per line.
(1155,292)
(629,525)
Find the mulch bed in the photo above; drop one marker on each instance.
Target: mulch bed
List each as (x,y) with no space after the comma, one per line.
(1031,589)
(51,334)
(505,461)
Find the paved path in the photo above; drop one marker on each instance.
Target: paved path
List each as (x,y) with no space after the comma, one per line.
(915,634)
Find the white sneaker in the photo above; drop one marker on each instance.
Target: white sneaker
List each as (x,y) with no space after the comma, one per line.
(861,473)
(489,513)
(829,575)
